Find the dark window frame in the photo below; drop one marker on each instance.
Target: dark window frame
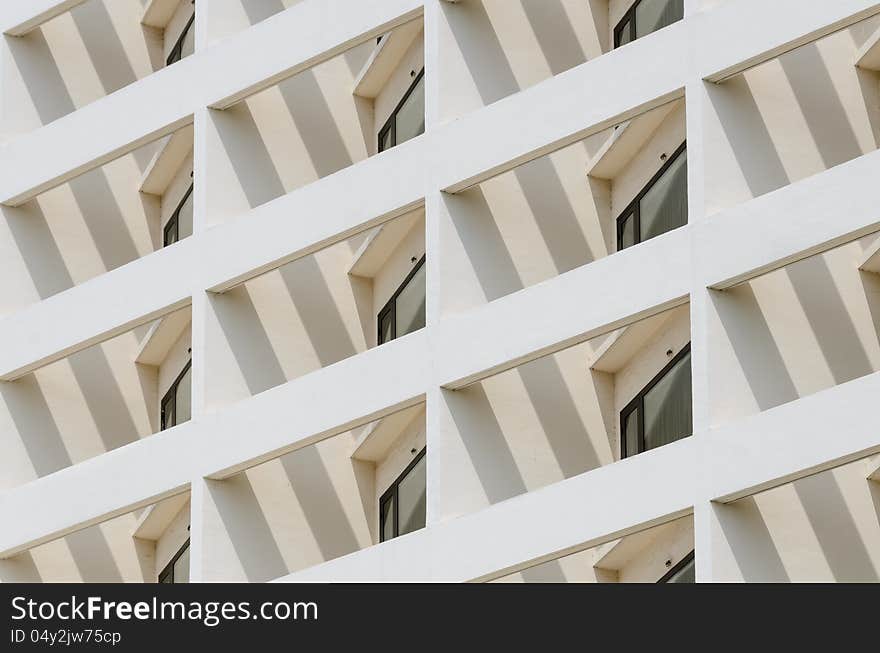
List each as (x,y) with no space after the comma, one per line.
(171,397)
(629,16)
(176,52)
(633,208)
(391,123)
(173,223)
(169,568)
(637,403)
(681,564)
(391,493)
(391,305)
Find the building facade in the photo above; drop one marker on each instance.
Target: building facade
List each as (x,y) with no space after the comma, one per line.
(431,290)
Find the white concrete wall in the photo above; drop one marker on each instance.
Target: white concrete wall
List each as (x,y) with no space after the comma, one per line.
(105,553)
(172,196)
(398,266)
(820,529)
(494,48)
(649,359)
(174,362)
(790,118)
(645,164)
(641,558)
(172,539)
(412,437)
(231,16)
(73,60)
(303,129)
(400,80)
(772,341)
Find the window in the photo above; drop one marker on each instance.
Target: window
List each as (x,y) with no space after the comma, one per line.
(683,572)
(405,311)
(185,44)
(646,16)
(180,224)
(402,507)
(408,118)
(661,206)
(176,403)
(177,571)
(661,412)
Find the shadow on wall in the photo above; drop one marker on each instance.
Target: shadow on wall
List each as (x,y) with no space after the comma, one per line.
(97,58)
(105,553)
(36,430)
(773,139)
(289,514)
(98,221)
(255,327)
(834,528)
(252,12)
(799,330)
(278,327)
(29,400)
(791,333)
(552,188)
(288,136)
(548,22)
(527,422)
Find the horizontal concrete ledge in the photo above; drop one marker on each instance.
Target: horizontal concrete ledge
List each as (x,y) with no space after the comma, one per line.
(778,446)
(352,200)
(160,281)
(726,463)
(355,199)
(798,439)
(333,26)
(809,217)
(115,483)
(793,23)
(803,219)
(566,108)
(618,290)
(300,37)
(532,528)
(562,109)
(18,17)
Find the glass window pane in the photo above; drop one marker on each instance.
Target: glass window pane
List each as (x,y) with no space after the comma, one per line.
(627,235)
(189,42)
(181,567)
(624,36)
(386,519)
(686,574)
(652,15)
(168,413)
(385,140)
(411,116)
(183,407)
(185,219)
(411,494)
(410,304)
(664,207)
(385,327)
(171,232)
(667,406)
(631,433)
